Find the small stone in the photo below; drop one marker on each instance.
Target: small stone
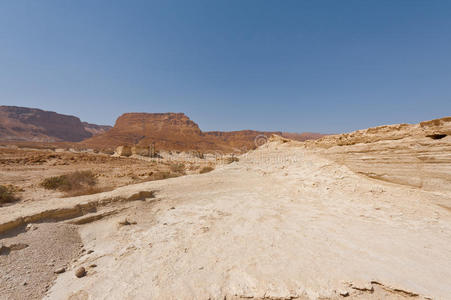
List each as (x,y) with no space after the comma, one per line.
(31,227)
(90,251)
(343,293)
(4,250)
(24,283)
(173,207)
(18,246)
(93,266)
(60,270)
(81,272)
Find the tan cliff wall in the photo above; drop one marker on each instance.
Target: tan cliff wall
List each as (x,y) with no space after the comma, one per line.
(417,155)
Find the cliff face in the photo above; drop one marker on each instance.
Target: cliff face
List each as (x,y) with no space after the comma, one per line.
(174,131)
(434,129)
(146,128)
(30,124)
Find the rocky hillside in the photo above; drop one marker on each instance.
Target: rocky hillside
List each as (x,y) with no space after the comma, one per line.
(36,125)
(416,155)
(176,131)
(95,129)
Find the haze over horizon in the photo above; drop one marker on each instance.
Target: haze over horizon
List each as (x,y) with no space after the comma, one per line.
(319,66)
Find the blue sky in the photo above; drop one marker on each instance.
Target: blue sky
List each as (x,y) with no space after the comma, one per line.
(323,66)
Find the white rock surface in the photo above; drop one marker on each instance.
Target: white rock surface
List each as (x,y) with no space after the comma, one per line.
(282,223)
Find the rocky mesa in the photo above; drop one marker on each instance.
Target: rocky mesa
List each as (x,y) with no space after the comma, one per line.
(176,131)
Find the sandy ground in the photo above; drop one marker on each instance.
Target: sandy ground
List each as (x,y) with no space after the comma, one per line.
(25,168)
(282,223)
(30,258)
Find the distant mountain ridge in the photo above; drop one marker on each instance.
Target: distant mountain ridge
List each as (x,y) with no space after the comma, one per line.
(36,125)
(168,131)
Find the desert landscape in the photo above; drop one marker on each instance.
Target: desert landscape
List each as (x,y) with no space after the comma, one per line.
(363,215)
(225,150)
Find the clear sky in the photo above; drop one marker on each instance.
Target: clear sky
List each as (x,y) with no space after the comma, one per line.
(323,66)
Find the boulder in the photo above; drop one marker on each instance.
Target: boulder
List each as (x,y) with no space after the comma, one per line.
(124,151)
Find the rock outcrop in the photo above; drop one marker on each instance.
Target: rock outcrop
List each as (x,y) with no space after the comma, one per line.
(434,129)
(417,155)
(35,125)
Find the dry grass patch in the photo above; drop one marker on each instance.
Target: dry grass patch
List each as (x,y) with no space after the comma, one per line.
(8,194)
(75,184)
(163,175)
(178,168)
(70,182)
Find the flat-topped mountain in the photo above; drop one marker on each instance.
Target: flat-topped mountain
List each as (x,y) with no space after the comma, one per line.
(169,131)
(175,131)
(36,125)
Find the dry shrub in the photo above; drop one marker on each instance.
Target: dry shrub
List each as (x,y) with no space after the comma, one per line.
(231,159)
(206,170)
(178,168)
(71,182)
(8,194)
(163,175)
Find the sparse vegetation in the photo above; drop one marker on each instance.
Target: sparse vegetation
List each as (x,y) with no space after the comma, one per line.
(8,194)
(72,182)
(231,159)
(178,168)
(206,170)
(163,175)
